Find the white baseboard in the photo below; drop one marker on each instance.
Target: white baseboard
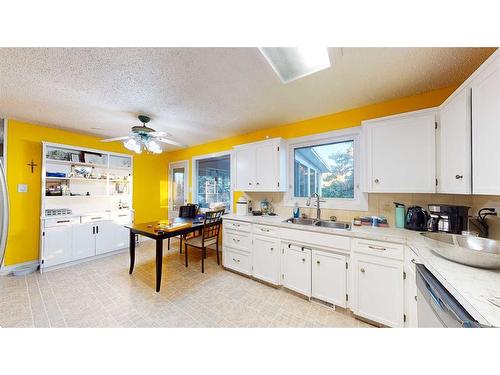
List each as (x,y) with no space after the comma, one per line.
(7,270)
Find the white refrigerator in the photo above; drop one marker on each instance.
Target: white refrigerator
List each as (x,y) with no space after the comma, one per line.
(4,213)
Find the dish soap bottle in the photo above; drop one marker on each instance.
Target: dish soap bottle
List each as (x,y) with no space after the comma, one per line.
(296,210)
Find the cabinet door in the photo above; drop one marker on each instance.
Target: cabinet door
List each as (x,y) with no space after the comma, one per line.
(245,169)
(401,154)
(57,245)
(109,236)
(486,130)
(454,162)
(329,277)
(378,288)
(266,259)
(297,269)
(84,240)
(267,175)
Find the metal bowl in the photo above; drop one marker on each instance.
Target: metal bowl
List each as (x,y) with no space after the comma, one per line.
(468,250)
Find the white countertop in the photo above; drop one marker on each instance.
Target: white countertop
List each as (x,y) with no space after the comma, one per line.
(78,214)
(469,285)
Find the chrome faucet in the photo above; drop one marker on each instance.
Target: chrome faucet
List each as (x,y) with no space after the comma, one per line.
(318,210)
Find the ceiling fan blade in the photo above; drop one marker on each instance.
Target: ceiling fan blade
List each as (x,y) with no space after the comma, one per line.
(115,139)
(170,142)
(159,134)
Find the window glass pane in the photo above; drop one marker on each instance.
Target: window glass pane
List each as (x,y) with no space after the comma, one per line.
(178,188)
(327,169)
(214,181)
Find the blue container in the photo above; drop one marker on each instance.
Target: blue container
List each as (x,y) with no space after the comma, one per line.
(400,215)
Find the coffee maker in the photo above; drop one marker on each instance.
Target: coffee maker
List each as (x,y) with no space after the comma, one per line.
(448,218)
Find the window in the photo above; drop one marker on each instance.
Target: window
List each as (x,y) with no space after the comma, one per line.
(327,164)
(326,169)
(212,181)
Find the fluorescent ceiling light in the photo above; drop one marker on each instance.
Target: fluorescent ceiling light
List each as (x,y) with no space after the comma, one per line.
(292,63)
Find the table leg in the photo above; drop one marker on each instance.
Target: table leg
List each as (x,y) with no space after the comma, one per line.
(159,258)
(132,252)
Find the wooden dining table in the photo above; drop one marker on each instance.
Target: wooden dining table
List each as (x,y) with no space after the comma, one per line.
(158,231)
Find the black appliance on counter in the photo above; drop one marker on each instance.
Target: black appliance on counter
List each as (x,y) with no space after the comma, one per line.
(416,218)
(448,218)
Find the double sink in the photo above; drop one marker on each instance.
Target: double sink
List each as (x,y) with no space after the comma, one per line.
(319,223)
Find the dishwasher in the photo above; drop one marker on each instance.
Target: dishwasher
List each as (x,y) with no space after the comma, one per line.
(436,307)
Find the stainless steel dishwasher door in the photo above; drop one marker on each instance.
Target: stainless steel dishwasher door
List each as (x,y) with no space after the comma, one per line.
(436,307)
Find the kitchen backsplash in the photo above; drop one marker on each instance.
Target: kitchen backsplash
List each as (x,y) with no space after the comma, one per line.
(382,205)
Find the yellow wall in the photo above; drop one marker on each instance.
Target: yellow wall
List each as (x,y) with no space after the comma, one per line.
(316,125)
(24,144)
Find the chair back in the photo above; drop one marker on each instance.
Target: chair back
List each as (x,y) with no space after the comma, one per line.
(188,211)
(212,224)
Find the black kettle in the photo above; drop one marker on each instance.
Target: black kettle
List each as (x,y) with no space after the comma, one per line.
(416,218)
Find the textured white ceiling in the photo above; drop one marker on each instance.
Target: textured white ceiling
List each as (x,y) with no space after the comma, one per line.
(202,94)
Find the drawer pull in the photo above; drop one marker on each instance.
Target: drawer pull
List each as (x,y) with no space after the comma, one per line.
(236,240)
(272,248)
(122,215)
(236,260)
(380,248)
(264,230)
(96,218)
(413,261)
(318,262)
(236,225)
(62,221)
(303,259)
(362,270)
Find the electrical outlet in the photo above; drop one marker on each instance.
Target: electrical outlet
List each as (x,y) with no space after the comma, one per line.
(22,188)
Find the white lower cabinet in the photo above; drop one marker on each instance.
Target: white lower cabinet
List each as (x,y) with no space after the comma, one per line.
(110,236)
(378,289)
(329,277)
(410,289)
(83,240)
(55,245)
(237,260)
(297,268)
(266,259)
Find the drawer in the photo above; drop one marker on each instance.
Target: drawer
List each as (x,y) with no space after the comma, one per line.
(266,230)
(124,217)
(315,238)
(237,225)
(95,217)
(378,248)
(237,240)
(240,261)
(60,221)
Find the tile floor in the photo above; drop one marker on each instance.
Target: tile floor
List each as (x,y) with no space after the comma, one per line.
(101,293)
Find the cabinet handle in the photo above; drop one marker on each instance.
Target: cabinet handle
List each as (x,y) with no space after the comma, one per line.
(249,183)
(62,221)
(303,259)
(97,229)
(236,225)
(96,218)
(264,230)
(459,176)
(376,180)
(318,262)
(258,183)
(272,248)
(236,240)
(413,261)
(380,248)
(93,230)
(362,270)
(236,260)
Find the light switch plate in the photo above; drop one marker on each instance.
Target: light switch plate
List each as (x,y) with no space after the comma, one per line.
(22,188)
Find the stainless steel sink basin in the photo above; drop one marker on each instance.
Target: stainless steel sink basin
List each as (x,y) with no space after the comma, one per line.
(319,223)
(301,221)
(333,224)
(469,250)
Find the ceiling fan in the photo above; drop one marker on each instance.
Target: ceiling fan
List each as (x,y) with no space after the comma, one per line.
(144,138)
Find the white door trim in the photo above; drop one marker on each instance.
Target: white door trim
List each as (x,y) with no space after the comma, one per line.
(177,164)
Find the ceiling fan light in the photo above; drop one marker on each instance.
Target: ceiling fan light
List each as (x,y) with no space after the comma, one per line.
(131,144)
(153,147)
(291,63)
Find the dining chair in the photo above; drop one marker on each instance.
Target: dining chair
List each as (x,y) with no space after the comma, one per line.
(190,210)
(209,236)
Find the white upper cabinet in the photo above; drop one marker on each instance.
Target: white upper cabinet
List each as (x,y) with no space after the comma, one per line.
(454,145)
(400,155)
(261,166)
(486,129)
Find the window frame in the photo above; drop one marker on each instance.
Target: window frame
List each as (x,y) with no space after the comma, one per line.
(194,176)
(360,200)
